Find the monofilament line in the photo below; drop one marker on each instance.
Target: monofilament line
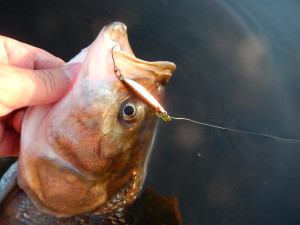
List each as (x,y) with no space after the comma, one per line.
(235,130)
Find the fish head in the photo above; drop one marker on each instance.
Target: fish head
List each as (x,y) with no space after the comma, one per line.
(88,152)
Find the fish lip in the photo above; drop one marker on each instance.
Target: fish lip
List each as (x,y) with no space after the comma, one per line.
(117,32)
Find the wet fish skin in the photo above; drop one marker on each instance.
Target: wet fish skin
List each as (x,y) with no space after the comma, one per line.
(81,154)
(150,208)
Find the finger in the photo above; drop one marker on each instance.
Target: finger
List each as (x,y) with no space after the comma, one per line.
(13,120)
(2,130)
(25,56)
(10,144)
(18,119)
(22,87)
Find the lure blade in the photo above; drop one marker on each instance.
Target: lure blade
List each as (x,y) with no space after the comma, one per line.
(141,93)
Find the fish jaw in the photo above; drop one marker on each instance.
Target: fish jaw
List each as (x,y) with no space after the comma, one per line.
(99,53)
(80,153)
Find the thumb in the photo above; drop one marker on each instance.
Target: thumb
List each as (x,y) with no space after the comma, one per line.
(22,87)
(51,85)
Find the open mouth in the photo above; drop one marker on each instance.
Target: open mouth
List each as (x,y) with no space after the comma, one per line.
(118,33)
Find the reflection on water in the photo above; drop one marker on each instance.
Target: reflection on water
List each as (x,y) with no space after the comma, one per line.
(237,67)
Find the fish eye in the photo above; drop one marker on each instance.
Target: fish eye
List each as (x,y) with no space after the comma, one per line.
(129,111)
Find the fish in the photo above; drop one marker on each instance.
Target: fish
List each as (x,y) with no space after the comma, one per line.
(88,152)
(149,208)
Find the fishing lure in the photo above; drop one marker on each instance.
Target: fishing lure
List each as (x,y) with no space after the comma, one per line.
(141,93)
(159,111)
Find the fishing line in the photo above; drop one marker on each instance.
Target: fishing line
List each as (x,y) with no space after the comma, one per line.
(235,130)
(156,109)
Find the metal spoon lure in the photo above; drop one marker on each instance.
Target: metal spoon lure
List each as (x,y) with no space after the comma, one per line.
(159,111)
(141,93)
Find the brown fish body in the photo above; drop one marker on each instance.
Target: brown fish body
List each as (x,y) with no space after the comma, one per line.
(148,209)
(85,153)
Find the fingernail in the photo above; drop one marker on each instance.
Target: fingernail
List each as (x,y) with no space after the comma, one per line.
(72,70)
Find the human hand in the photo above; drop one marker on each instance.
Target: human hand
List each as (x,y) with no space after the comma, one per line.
(28,76)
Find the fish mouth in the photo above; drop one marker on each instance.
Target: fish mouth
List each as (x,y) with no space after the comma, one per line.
(126,60)
(118,33)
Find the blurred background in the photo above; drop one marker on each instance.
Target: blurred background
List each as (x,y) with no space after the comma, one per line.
(237,66)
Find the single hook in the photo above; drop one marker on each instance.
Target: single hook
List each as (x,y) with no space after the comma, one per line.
(140,92)
(117,71)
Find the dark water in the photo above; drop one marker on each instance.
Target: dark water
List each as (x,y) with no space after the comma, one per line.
(238,65)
